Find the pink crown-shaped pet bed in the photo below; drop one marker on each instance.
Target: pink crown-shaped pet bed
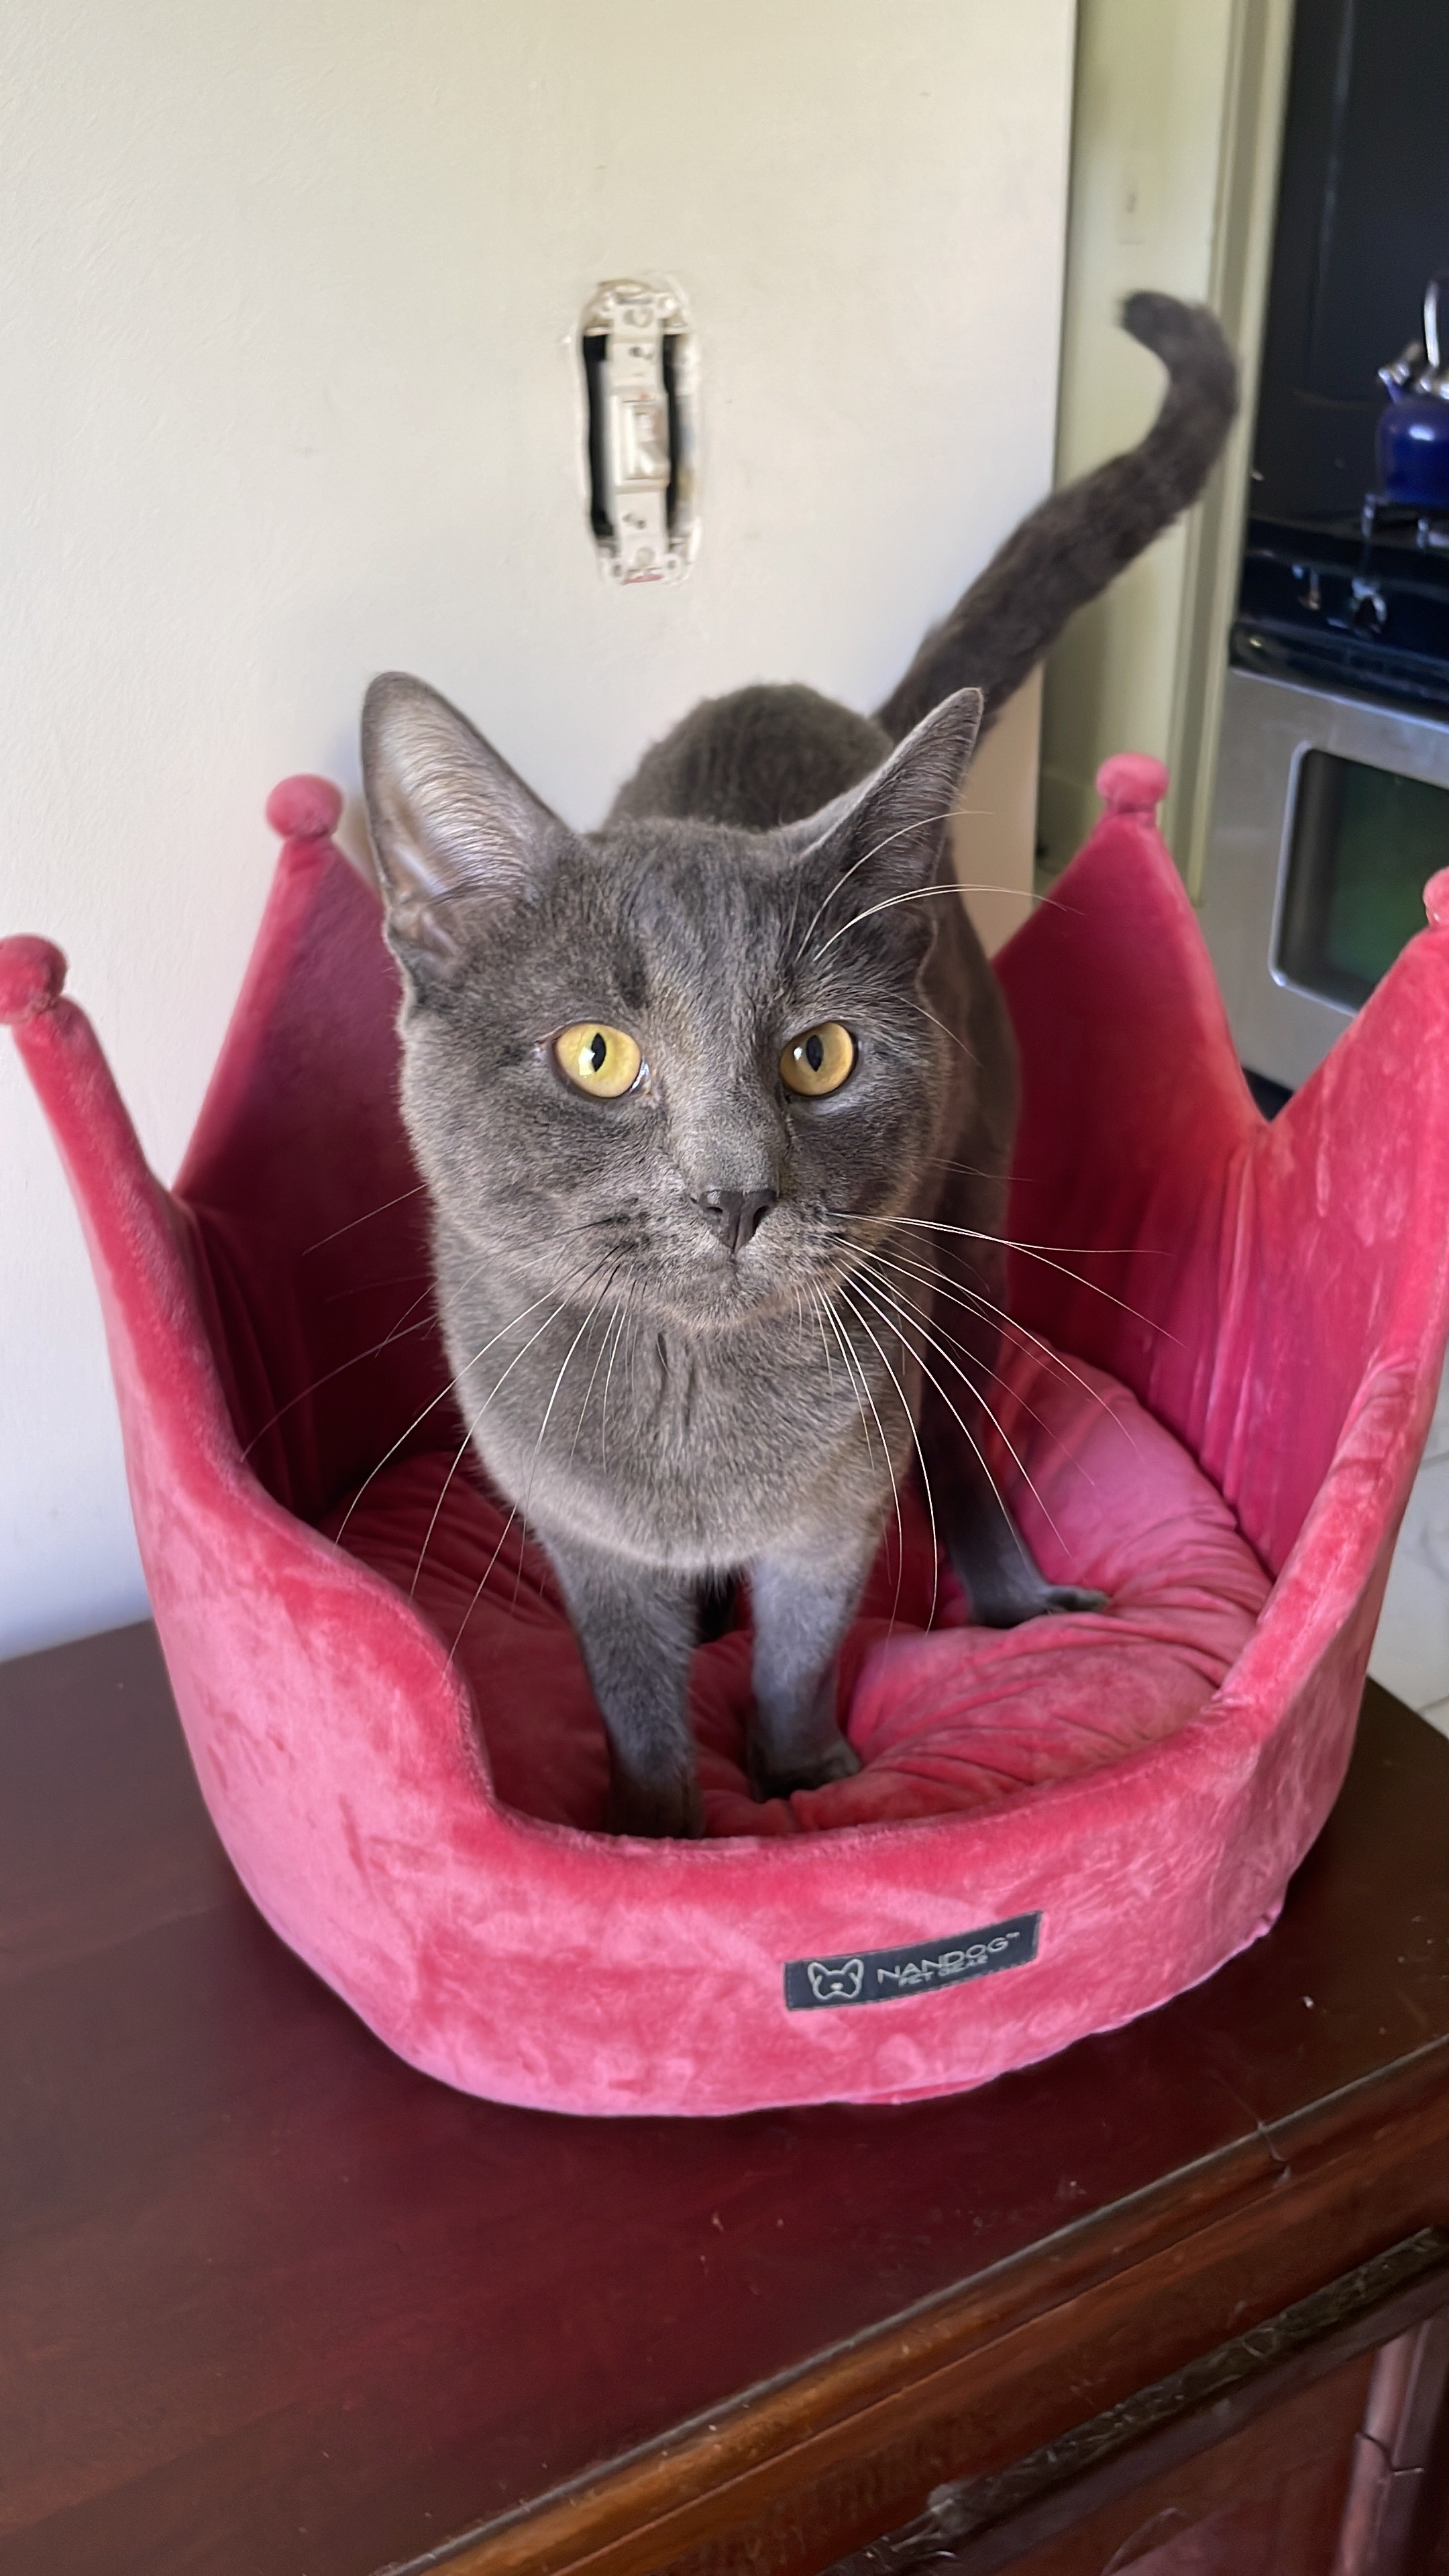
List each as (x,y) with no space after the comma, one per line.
(1225,1343)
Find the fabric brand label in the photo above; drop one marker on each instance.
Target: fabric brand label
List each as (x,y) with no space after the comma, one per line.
(883,1976)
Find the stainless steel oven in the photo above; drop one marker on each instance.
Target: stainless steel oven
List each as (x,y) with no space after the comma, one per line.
(1331,814)
(1333,777)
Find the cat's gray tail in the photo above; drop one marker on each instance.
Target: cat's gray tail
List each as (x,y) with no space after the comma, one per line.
(1069,549)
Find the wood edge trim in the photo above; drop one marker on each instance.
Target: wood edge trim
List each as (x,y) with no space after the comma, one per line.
(1066,2494)
(833,2394)
(672,2534)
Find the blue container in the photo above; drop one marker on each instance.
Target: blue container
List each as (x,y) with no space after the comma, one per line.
(1412,439)
(1412,442)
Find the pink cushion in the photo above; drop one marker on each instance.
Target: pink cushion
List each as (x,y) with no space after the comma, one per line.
(945,1717)
(1057,1829)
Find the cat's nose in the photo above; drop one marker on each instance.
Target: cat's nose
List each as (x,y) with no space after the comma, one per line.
(736,1215)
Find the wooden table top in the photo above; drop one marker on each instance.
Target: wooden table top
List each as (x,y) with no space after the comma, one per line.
(271,2304)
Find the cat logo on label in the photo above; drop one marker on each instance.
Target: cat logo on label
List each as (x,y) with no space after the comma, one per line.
(832,1985)
(919,1967)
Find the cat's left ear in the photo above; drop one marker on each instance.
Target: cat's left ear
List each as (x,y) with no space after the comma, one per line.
(885,836)
(450,821)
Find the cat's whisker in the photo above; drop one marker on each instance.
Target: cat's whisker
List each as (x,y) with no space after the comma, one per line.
(604,1410)
(1022,1338)
(1033,1251)
(1087,1251)
(401,1331)
(598,1363)
(862,1387)
(862,1392)
(877,1269)
(431,1407)
(365,1219)
(482,1584)
(976,1302)
(969,1052)
(894,1324)
(1017,1460)
(468,1435)
(917,825)
(548,1410)
(791,952)
(972,1171)
(844,1292)
(370,1287)
(824,1341)
(922,895)
(856,1380)
(457,1460)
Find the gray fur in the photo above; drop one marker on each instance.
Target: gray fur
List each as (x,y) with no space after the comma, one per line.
(760,757)
(667,1397)
(1068,550)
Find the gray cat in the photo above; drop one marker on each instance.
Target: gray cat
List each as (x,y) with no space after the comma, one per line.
(715,1106)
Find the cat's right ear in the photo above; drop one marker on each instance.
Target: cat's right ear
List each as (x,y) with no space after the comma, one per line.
(452,825)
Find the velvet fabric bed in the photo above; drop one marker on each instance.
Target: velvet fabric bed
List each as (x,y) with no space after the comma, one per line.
(1225,1346)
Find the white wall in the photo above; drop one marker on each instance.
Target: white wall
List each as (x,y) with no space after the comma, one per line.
(1176,132)
(288,395)
(1150,100)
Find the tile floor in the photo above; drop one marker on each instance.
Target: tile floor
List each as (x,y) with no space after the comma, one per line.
(1411,1650)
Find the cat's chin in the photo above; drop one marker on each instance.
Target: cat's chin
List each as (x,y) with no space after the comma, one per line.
(725,1300)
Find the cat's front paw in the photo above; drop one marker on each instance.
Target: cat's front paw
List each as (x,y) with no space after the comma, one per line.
(1040,1601)
(656,1810)
(1063,1598)
(836,1762)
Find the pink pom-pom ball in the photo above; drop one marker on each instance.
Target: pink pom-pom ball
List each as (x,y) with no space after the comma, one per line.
(305,809)
(1436,900)
(32,979)
(1131,782)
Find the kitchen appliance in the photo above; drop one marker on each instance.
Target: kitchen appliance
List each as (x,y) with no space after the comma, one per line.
(1412,438)
(1332,805)
(1332,802)
(1331,815)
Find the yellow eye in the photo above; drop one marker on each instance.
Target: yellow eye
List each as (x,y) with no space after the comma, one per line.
(819,1060)
(597,1059)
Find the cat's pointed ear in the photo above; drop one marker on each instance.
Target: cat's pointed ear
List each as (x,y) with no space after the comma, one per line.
(450,820)
(885,836)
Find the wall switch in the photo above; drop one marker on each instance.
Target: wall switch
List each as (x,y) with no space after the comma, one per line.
(640,381)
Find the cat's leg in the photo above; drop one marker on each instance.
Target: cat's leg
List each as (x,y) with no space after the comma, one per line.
(955,1327)
(803,1599)
(1005,1583)
(636,1627)
(1002,1577)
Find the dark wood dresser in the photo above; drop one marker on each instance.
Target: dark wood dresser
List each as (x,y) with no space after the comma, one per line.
(273,2305)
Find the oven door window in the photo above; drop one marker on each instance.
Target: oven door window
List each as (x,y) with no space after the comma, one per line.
(1363,845)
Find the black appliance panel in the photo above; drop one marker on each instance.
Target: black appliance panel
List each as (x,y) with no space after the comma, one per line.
(1363,222)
